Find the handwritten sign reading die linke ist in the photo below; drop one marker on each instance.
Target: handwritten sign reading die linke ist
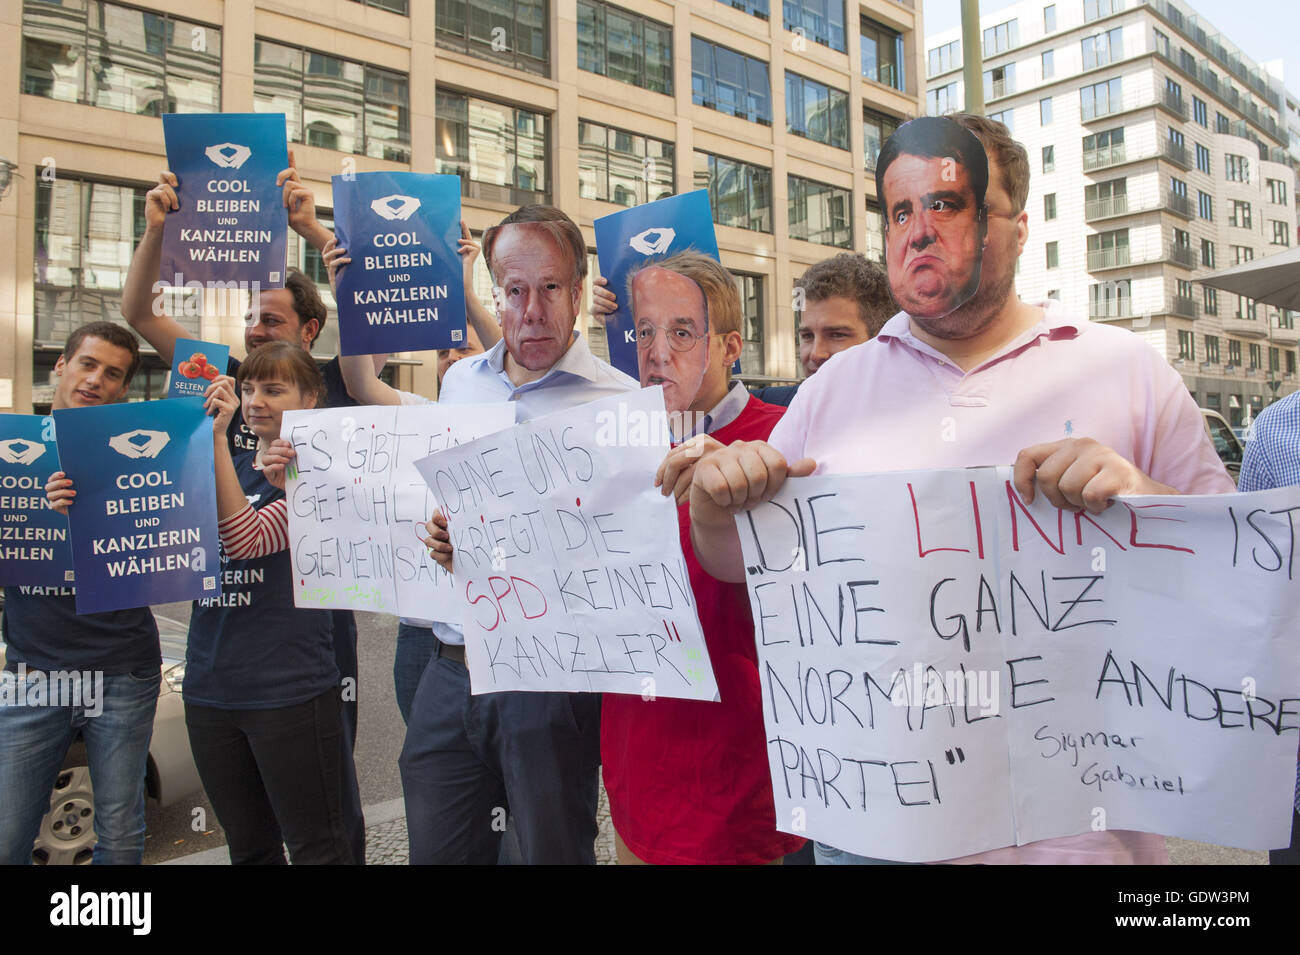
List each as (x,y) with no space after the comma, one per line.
(568,565)
(946,670)
(355,502)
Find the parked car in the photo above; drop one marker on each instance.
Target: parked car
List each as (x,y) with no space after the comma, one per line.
(1225,441)
(67,833)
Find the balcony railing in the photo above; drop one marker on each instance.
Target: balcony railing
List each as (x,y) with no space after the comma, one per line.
(1184,307)
(1107,310)
(1103,157)
(1173,103)
(1100,259)
(1183,255)
(1177,154)
(1106,207)
(1179,205)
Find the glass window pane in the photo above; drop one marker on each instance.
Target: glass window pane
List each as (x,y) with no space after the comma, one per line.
(332,102)
(277,84)
(125,60)
(592,170)
(193,68)
(530,164)
(622,46)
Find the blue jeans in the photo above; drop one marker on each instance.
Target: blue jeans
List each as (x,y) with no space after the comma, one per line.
(415,647)
(34,741)
(829,855)
(468,761)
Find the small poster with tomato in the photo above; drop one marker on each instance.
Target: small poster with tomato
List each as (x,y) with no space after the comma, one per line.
(195,365)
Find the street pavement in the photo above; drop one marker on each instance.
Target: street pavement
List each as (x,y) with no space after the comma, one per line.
(174,839)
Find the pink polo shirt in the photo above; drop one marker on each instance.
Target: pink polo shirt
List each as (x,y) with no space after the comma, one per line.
(895,404)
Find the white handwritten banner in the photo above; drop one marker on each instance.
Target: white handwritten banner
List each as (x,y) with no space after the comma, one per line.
(568,565)
(945,670)
(356,498)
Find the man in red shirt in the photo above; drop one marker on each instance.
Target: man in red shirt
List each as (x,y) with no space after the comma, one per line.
(688,780)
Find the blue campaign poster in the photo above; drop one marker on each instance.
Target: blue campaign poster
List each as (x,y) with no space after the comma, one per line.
(195,365)
(232,225)
(627,239)
(34,546)
(144,524)
(403,290)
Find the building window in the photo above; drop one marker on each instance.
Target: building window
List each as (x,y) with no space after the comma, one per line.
(1102,49)
(1100,99)
(882,54)
(1200,112)
(1108,249)
(1210,299)
(1095,9)
(1277,191)
(729,82)
(1290,362)
(1177,187)
(1049,207)
(1049,18)
(1054,294)
(1239,215)
(1182,239)
(1049,64)
(755,8)
(1104,199)
(393,6)
(499,151)
(135,61)
(1234,352)
(627,168)
(333,103)
(944,58)
(1212,349)
(1256,355)
(740,194)
(820,213)
(512,34)
(1049,159)
(941,100)
(816,112)
(1202,159)
(1241,253)
(1221,124)
(1045,111)
(1110,300)
(1186,346)
(1162,43)
(1205,205)
(1236,168)
(999,81)
(876,128)
(1053,255)
(1286,318)
(1281,233)
(874,237)
(1246,312)
(1001,38)
(1274,360)
(625,46)
(1207,253)
(750,288)
(1006,117)
(821,21)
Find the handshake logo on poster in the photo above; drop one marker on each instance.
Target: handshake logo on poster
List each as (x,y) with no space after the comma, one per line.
(139,443)
(395,207)
(20,451)
(228,155)
(652,241)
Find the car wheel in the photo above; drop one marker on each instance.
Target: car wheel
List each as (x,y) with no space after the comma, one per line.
(67,835)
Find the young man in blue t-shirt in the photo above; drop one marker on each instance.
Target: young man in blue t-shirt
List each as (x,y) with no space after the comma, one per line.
(98,673)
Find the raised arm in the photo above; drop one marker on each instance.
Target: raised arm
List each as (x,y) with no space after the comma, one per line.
(142,301)
(480,319)
(360,372)
(301,203)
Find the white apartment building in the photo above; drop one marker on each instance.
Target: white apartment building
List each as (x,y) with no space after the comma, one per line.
(1158,154)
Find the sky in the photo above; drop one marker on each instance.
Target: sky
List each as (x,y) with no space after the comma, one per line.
(1264,30)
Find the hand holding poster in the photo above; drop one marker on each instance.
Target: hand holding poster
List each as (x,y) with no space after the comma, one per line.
(356,500)
(195,365)
(404,289)
(33,537)
(144,524)
(946,670)
(625,240)
(232,225)
(568,567)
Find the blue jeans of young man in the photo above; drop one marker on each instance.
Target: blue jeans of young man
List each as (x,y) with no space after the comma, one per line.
(34,741)
(415,647)
(470,760)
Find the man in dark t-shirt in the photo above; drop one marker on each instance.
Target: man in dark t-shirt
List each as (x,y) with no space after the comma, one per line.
(98,673)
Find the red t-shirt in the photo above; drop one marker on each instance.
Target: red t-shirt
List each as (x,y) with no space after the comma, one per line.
(688,780)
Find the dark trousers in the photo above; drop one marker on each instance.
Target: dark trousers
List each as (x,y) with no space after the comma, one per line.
(470,760)
(345,656)
(1291,854)
(277,777)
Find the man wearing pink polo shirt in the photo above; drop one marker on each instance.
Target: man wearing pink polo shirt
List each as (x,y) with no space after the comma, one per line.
(1085,411)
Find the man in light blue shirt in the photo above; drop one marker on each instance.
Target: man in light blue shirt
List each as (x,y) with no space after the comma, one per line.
(468,760)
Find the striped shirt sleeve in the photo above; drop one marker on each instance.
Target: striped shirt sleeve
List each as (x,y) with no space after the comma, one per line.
(256,532)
